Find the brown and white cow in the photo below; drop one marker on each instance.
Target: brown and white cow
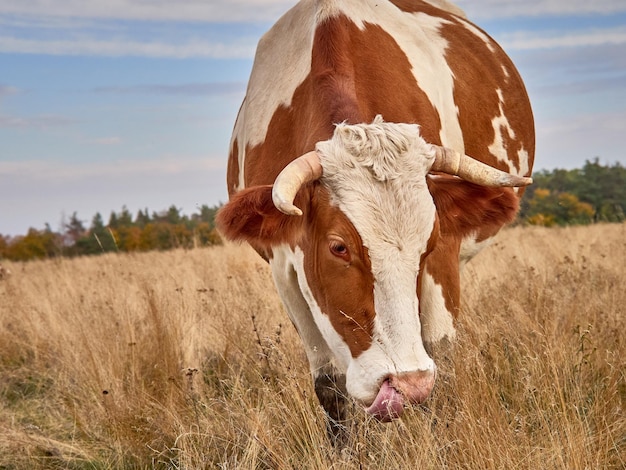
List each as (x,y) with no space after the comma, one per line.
(349,173)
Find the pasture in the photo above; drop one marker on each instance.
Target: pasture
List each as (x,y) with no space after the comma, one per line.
(186,360)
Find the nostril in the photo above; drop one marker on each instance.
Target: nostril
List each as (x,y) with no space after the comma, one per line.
(415,386)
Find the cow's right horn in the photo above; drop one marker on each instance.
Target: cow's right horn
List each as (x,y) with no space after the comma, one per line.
(289,181)
(454,163)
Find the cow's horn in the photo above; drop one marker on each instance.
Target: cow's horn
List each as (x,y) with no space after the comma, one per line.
(454,163)
(287,184)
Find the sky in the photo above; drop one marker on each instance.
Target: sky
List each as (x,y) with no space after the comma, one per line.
(112,103)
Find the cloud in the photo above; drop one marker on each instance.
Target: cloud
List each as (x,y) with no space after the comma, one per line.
(43,21)
(155,29)
(127,47)
(559,78)
(40,32)
(107,141)
(36,122)
(155,10)
(585,123)
(256,11)
(7,90)
(489,9)
(66,172)
(524,40)
(190,89)
(589,86)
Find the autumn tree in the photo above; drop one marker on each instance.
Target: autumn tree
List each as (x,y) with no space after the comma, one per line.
(36,244)
(165,230)
(594,193)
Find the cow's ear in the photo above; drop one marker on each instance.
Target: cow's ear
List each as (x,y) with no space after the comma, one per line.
(251,216)
(465,208)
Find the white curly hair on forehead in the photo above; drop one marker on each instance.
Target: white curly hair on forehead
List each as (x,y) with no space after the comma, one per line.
(388,149)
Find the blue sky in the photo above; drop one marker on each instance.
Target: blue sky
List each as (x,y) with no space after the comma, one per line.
(105,103)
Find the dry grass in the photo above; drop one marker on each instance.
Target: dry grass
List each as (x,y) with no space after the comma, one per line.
(185,359)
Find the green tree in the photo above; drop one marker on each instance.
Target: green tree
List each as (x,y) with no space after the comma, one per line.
(173,216)
(113,222)
(604,187)
(207,214)
(124,218)
(142,219)
(74,230)
(98,239)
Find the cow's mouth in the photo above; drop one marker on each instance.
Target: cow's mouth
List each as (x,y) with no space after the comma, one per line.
(388,404)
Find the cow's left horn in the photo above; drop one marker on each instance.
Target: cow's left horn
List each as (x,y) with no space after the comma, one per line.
(454,163)
(287,184)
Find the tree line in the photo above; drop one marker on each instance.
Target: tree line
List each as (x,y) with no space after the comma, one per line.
(123,233)
(594,193)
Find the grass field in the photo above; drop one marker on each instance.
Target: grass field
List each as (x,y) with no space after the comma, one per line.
(186,360)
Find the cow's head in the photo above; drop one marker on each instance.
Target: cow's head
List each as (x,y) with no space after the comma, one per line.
(360,220)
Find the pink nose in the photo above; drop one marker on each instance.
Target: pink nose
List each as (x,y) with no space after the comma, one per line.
(412,387)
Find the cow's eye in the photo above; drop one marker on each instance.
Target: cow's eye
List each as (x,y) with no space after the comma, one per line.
(339,249)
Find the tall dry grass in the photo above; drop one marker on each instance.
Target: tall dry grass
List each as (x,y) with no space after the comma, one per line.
(186,360)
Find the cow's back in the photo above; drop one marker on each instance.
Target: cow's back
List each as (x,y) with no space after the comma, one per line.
(329,61)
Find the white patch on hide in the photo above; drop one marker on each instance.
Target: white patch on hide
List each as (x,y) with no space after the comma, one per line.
(447,6)
(288,273)
(437,321)
(470,247)
(524,167)
(481,34)
(501,126)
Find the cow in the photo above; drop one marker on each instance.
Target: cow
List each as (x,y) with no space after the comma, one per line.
(381,144)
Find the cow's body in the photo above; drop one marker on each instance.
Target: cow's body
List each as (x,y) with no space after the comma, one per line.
(369,274)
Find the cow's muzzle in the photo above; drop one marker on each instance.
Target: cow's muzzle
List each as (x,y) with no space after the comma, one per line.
(400,389)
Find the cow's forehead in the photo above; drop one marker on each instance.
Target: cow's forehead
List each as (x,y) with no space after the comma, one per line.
(386,150)
(376,174)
